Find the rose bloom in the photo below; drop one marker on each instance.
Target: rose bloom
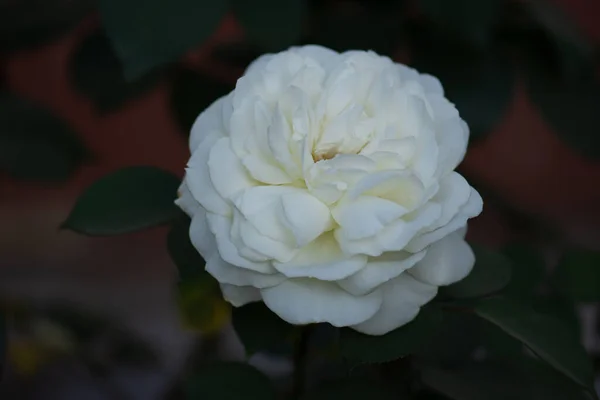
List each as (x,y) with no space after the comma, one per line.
(324,186)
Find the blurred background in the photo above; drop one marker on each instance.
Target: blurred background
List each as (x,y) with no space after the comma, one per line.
(76,104)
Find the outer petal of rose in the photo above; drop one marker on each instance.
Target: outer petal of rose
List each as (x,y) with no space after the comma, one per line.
(447,261)
(201,236)
(394,237)
(233,275)
(366,216)
(210,121)
(227,174)
(306,301)
(322,259)
(240,295)
(221,227)
(471,209)
(453,194)
(199,181)
(186,201)
(326,58)
(380,270)
(431,84)
(402,300)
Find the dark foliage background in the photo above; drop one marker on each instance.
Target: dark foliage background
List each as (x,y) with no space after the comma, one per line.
(89,87)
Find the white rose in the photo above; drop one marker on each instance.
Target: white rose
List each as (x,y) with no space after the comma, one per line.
(324,185)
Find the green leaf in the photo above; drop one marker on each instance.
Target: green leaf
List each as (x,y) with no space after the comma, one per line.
(479,84)
(191,94)
(472,20)
(259,328)
(97,73)
(360,27)
(562,101)
(350,389)
(272,24)
(546,383)
(528,269)
(559,307)
(150,33)
(27,24)
(578,275)
(183,253)
(547,337)
(124,201)
(359,348)
(491,273)
(455,339)
(34,144)
(574,52)
(228,381)
(478,381)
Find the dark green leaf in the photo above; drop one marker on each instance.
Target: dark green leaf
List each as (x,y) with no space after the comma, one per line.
(127,200)
(358,348)
(527,272)
(559,307)
(552,341)
(350,389)
(183,253)
(491,273)
(578,275)
(259,328)
(191,94)
(228,381)
(479,84)
(150,33)
(455,339)
(570,106)
(359,27)
(34,144)
(477,382)
(97,73)
(546,383)
(573,50)
(26,24)
(272,24)
(473,20)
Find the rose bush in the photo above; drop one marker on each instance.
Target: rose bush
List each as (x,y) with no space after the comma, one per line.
(324,185)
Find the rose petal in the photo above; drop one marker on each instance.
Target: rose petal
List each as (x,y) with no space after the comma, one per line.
(221,227)
(240,295)
(366,216)
(226,172)
(201,236)
(212,120)
(306,301)
(199,181)
(394,237)
(380,270)
(322,259)
(186,201)
(305,216)
(447,261)
(471,209)
(402,299)
(233,275)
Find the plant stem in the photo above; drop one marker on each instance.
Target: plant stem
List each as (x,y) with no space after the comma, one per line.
(300,362)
